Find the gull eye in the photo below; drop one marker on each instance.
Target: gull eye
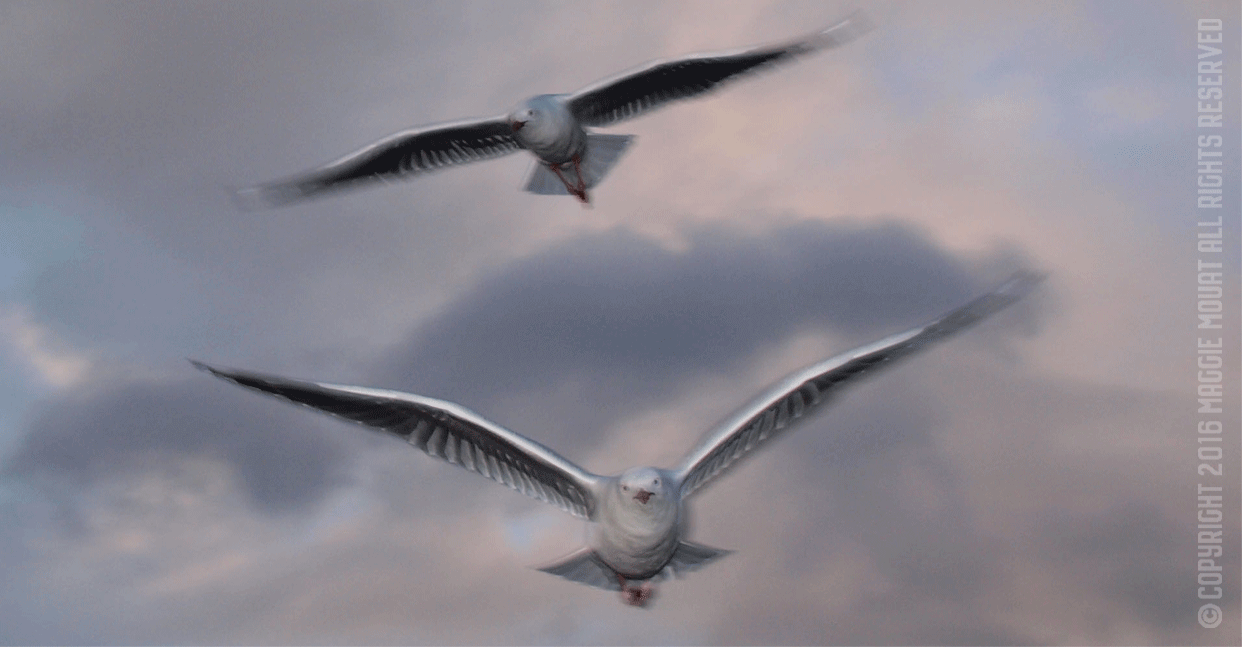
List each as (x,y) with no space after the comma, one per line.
(657,481)
(625,487)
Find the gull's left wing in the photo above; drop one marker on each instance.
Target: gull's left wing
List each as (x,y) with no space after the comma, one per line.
(800,393)
(659,82)
(442,430)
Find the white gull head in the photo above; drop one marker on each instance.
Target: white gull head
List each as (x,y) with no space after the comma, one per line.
(544,126)
(642,484)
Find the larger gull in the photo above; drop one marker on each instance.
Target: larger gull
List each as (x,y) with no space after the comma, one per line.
(571,159)
(636,518)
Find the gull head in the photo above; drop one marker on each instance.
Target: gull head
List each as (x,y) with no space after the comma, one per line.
(519,118)
(641,484)
(528,114)
(538,121)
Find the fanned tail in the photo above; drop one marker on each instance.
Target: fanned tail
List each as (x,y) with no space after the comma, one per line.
(585,567)
(690,556)
(601,155)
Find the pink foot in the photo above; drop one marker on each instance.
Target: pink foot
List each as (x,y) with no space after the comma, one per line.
(637,596)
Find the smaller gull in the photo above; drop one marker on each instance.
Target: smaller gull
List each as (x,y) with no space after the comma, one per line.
(571,159)
(637,518)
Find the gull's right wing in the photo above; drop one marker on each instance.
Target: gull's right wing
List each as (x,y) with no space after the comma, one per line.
(404,154)
(442,430)
(804,391)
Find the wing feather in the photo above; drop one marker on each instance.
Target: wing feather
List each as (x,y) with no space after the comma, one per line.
(399,156)
(805,391)
(442,430)
(660,82)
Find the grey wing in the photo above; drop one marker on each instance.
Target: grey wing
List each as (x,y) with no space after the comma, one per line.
(402,155)
(800,393)
(445,431)
(660,82)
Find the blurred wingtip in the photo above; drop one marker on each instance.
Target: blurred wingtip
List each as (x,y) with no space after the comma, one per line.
(202,366)
(243,199)
(853,26)
(1022,282)
(256,198)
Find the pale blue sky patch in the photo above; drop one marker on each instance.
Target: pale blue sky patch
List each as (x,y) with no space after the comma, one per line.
(34,235)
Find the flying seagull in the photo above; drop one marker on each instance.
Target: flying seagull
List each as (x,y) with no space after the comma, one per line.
(637,517)
(554,127)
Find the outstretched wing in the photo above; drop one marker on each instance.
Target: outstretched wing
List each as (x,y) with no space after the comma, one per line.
(660,82)
(402,155)
(802,392)
(443,430)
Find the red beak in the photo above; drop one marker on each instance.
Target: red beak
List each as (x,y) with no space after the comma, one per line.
(516,125)
(643,496)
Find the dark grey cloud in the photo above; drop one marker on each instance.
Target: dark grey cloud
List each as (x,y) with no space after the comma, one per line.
(632,321)
(119,429)
(628,318)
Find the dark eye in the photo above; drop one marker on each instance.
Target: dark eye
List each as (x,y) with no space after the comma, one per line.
(625,487)
(657,481)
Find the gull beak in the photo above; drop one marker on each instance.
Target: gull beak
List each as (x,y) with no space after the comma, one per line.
(643,496)
(516,124)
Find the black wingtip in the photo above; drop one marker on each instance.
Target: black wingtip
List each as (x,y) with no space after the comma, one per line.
(207,368)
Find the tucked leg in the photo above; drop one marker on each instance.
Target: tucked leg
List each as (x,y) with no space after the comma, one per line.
(581,193)
(577,189)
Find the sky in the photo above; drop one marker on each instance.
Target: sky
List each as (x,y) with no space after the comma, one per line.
(1031,481)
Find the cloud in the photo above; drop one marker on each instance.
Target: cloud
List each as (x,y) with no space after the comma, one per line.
(1024,483)
(623,320)
(50,357)
(115,426)
(1125,106)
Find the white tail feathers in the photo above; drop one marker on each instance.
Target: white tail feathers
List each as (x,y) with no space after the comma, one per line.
(602,153)
(586,567)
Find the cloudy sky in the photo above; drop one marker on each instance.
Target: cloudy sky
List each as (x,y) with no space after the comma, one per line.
(1031,481)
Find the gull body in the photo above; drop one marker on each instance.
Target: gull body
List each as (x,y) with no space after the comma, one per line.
(637,518)
(640,522)
(544,126)
(554,127)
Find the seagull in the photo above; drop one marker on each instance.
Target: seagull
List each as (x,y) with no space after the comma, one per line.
(554,127)
(637,518)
